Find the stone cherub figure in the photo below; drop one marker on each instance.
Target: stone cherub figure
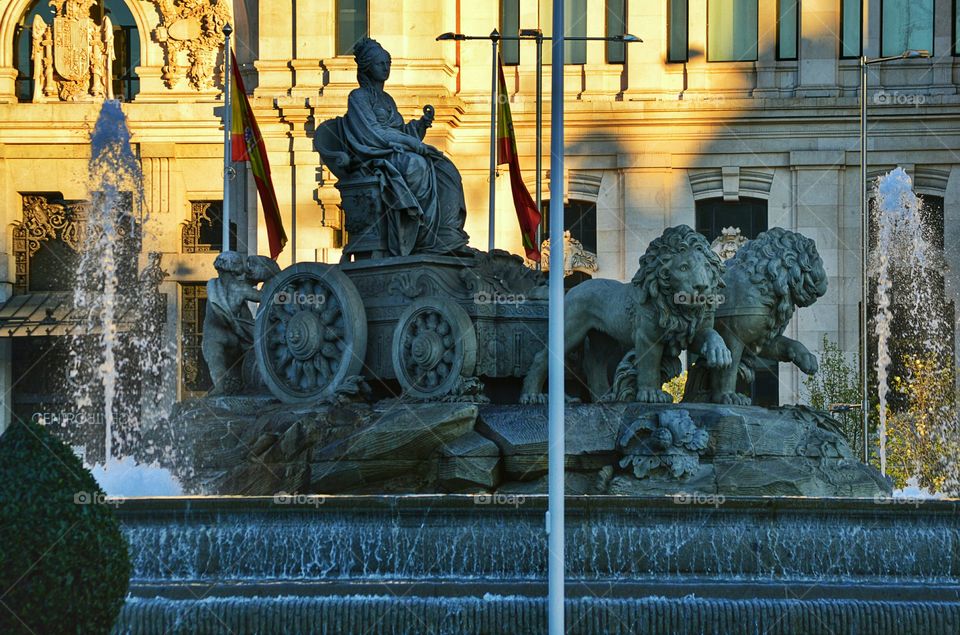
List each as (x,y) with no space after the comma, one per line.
(228,323)
(421,189)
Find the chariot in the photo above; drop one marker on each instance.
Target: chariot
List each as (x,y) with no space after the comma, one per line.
(433,326)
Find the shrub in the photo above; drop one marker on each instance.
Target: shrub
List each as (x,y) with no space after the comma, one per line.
(64,566)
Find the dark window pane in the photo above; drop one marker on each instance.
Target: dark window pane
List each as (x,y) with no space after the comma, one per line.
(575,22)
(956,24)
(616,24)
(732,30)
(677,30)
(351,24)
(850,28)
(788,22)
(510,25)
(906,24)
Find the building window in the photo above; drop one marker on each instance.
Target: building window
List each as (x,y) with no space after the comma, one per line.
(510,26)
(575,21)
(750,216)
(732,30)
(956,27)
(203,233)
(351,24)
(904,25)
(788,29)
(678,31)
(46,243)
(195,378)
(851,28)
(616,24)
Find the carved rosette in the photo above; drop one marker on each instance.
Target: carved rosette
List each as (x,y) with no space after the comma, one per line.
(191,34)
(435,346)
(311,333)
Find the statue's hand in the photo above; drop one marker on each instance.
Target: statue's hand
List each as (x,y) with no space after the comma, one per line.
(428,114)
(427,150)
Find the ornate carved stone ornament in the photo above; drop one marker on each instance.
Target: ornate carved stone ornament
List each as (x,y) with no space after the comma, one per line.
(73,57)
(45,220)
(728,242)
(575,257)
(191,34)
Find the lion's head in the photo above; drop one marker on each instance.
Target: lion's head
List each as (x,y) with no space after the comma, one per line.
(681,276)
(787,270)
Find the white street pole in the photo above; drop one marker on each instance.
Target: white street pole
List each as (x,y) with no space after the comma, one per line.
(864,245)
(227,145)
(556,449)
(494,41)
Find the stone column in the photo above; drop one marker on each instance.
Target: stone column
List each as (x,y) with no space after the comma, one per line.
(818,49)
(274,73)
(818,200)
(601,80)
(767,51)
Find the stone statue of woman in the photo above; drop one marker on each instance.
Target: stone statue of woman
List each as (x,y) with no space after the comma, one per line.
(38,53)
(422,189)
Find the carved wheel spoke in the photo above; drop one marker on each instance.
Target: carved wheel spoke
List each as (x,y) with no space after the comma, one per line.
(435,345)
(311,332)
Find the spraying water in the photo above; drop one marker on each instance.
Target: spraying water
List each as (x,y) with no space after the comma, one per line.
(117,357)
(902,265)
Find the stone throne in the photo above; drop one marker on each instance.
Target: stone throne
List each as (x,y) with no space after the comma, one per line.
(359,188)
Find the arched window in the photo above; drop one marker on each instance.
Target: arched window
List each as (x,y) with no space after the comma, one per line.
(580,219)
(124,41)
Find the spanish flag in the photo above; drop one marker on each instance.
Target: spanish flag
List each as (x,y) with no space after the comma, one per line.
(527,212)
(247,145)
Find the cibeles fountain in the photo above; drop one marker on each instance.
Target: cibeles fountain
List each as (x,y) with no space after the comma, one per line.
(385,415)
(398,371)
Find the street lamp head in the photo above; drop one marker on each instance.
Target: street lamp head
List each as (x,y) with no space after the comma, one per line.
(914,53)
(627,37)
(449,35)
(530,32)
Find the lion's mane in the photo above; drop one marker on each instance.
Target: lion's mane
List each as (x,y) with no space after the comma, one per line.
(784,266)
(653,283)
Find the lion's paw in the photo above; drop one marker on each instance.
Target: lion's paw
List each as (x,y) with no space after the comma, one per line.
(653,395)
(806,362)
(732,399)
(533,398)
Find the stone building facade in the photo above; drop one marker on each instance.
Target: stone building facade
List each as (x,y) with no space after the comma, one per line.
(730,113)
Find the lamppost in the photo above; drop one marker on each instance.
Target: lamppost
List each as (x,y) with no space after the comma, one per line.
(865,230)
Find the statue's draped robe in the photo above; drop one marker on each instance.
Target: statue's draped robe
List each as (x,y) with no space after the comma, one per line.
(423,195)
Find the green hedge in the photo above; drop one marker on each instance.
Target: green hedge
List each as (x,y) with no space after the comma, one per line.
(64,565)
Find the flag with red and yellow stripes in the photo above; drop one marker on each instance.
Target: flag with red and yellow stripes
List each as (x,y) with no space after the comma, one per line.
(247,145)
(527,212)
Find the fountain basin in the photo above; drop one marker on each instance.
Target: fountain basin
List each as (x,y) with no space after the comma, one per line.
(464,564)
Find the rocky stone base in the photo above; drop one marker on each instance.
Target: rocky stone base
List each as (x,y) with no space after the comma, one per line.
(256,446)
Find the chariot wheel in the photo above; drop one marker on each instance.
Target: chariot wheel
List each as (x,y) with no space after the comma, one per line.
(311,332)
(434,345)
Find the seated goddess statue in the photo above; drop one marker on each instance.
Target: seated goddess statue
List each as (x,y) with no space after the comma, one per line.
(421,190)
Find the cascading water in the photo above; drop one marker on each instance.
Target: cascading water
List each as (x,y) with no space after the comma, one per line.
(116,357)
(902,266)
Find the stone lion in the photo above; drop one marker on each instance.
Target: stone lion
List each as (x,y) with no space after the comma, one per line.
(668,307)
(765,281)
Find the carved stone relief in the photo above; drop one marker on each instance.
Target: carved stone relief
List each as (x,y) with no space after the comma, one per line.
(191,34)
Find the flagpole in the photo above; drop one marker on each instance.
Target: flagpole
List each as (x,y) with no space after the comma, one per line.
(494,42)
(227,136)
